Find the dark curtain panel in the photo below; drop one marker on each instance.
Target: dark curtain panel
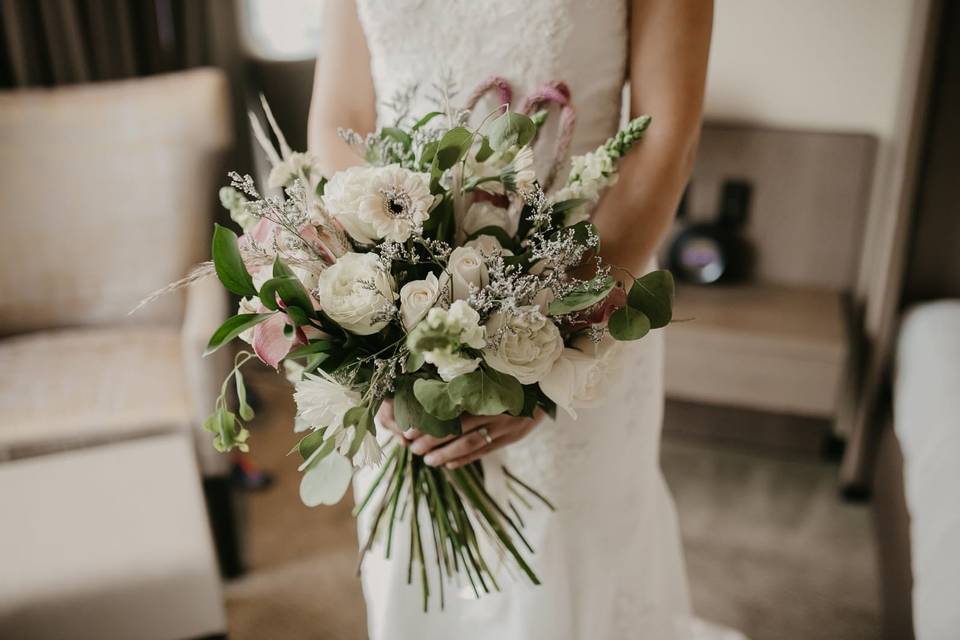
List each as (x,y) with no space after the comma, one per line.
(55,42)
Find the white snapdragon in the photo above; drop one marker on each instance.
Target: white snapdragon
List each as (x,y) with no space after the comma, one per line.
(357,293)
(524,344)
(584,374)
(459,326)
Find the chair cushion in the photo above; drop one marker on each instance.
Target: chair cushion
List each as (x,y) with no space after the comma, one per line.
(108,542)
(61,389)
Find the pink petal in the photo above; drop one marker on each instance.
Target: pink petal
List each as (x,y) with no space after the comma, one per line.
(269,343)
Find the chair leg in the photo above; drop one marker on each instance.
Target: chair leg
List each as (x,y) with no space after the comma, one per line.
(221,507)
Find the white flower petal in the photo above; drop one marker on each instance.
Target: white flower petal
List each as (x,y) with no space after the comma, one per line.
(327,481)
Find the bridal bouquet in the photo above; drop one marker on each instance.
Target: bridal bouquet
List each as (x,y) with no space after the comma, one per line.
(438,274)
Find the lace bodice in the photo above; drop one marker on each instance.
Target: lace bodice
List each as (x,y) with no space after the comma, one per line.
(529,43)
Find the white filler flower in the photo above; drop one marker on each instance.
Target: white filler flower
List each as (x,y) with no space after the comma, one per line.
(322,401)
(357,293)
(524,345)
(584,375)
(373,203)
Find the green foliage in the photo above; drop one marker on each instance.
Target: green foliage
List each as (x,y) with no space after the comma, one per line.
(232,328)
(628,324)
(485,150)
(410,414)
(396,134)
(318,346)
(511,129)
(434,397)
(229,433)
(290,290)
(243,407)
(582,297)
(228,262)
(452,147)
(484,392)
(422,122)
(311,442)
(566,205)
(653,295)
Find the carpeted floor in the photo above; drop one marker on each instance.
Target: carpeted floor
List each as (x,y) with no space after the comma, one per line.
(770,549)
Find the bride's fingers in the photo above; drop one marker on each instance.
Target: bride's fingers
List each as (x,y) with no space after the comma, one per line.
(389,422)
(423,444)
(469,443)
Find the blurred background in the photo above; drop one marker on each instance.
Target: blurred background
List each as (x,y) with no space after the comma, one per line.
(812,427)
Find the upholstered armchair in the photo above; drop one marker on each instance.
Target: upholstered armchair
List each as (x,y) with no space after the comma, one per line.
(107,193)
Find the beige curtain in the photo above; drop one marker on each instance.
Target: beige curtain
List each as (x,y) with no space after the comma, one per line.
(55,42)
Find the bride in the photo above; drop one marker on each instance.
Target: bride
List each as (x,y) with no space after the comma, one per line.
(609,557)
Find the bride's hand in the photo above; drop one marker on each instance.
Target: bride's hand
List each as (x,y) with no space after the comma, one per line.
(481,435)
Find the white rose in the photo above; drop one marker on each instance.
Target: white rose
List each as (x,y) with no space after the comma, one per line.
(450,364)
(417,297)
(488,246)
(357,293)
(466,268)
(342,196)
(583,375)
(322,401)
(525,344)
(485,214)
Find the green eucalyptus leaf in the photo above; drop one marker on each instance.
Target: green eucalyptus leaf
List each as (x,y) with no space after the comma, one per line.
(628,324)
(414,362)
(410,414)
(453,146)
(326,481)
(435,400)
(511,129)
(311,442)
(653,295)
(228,262)
(582,297)
(232,328)
(428,152)
(485,150)
(486,392)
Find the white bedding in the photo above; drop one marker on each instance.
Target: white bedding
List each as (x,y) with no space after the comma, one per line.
(927,423)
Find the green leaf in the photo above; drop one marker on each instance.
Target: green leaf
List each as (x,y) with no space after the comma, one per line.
(280,269)
(246,411)
(425,119)
(319,346)
(486,392)
(539,118)
(428,152)
(310,443)
(360,418)
(453,146)
(397,134)
(485,150)
(321,186)
(326,481)
(628,324)
(433,397)
(653,295)
(290,290)
(511,129)
(531,398)
(410,414)
(585,233)
(229,264)
(565,205)
(414,362)
(582,297)
(232,328)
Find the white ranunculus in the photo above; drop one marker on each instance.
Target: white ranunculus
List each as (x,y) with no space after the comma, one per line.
(342,197)
(485,214)
(322,401)
(357,293)
(524,344)
(488,246)
(583,375)
(466,268)
(417,297)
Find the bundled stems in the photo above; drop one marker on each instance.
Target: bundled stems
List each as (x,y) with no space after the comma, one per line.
(456,503)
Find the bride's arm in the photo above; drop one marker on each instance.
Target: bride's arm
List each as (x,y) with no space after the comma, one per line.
(343,94)
(670,40)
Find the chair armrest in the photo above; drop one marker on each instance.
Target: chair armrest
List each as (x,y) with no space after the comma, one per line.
(206,309)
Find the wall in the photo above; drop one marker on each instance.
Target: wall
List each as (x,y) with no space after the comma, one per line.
(824,64)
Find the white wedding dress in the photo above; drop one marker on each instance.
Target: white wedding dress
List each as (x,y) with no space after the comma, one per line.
(609,558)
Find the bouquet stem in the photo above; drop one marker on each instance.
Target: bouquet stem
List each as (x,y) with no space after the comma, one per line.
(457,503)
